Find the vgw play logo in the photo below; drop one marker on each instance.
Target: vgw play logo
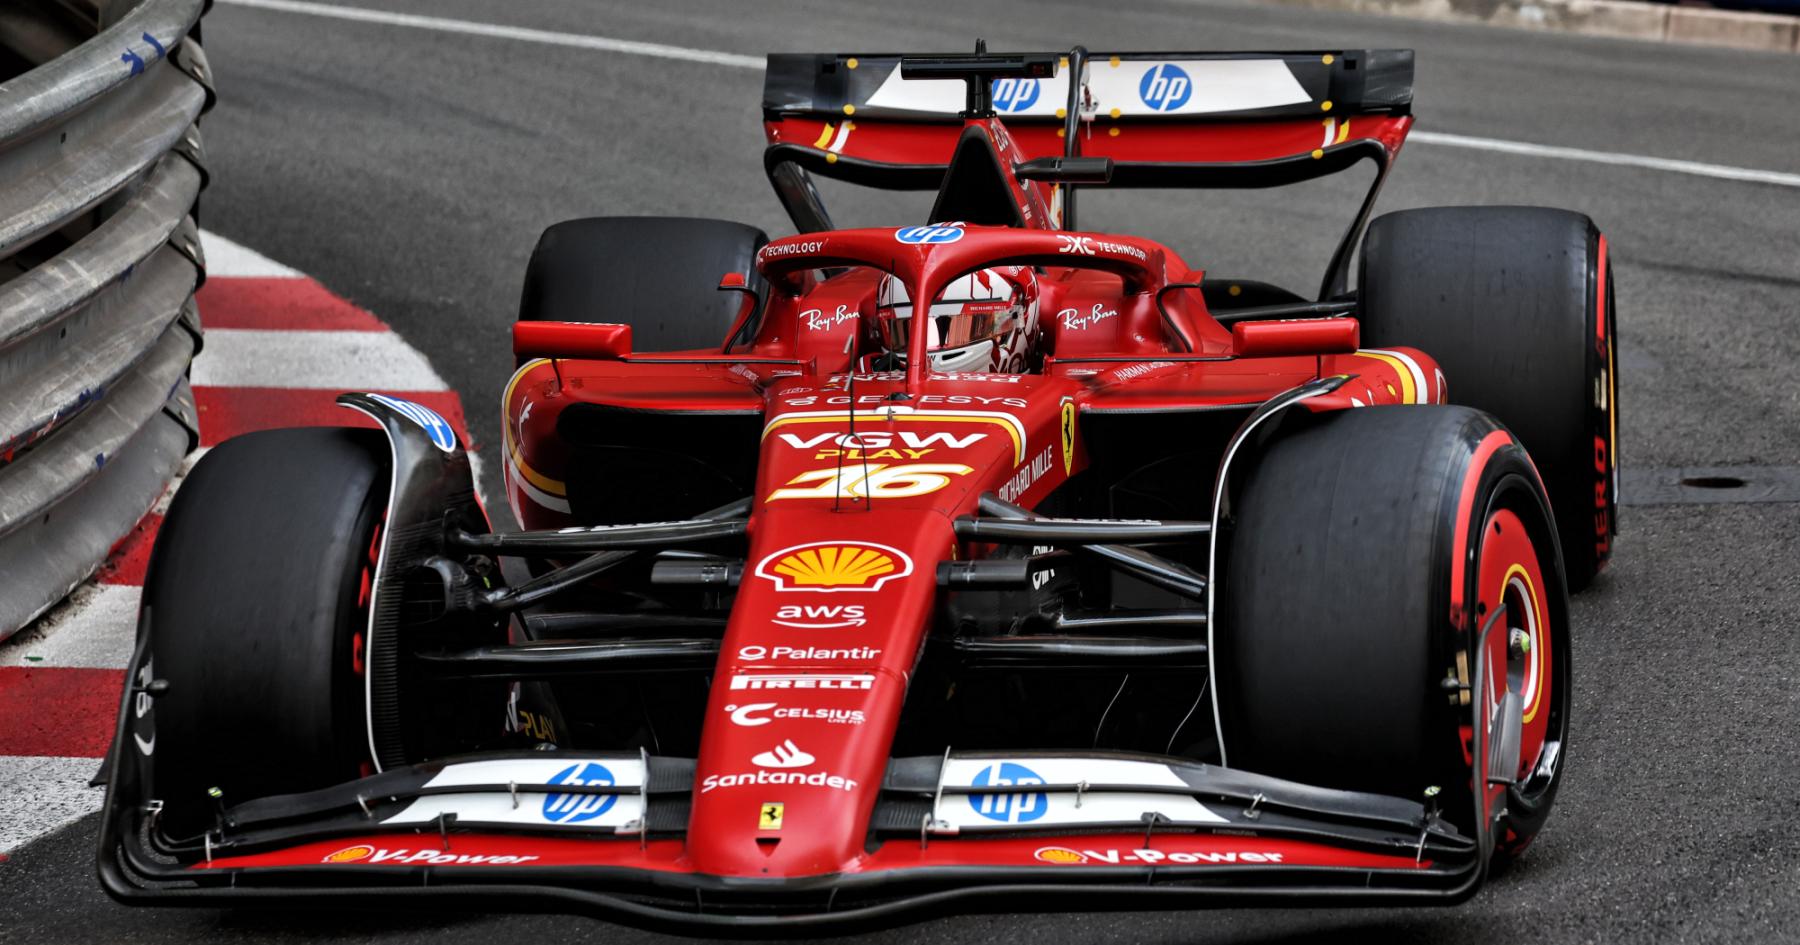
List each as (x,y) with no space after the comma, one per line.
(1009,808)
(566,808)
(1165,87)
(1014,95)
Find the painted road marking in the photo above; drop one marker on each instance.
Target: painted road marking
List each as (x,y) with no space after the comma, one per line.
(279,349)
(736,60)
(329,360)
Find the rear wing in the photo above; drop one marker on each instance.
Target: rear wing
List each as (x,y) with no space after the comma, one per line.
(1165,119)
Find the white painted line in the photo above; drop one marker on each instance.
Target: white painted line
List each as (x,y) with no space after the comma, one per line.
(94,629)
(686,54)
(43,795)
(495,31)
(1695,168)
(334,360)
(231,260)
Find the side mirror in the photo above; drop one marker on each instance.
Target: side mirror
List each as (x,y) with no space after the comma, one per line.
(1295,337)
(571,340)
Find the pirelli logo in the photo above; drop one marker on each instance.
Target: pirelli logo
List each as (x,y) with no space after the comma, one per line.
(803,681)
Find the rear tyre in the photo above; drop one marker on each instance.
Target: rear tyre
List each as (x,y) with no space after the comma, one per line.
(256,597)
(1367,553)
(1516,305)
(660,275)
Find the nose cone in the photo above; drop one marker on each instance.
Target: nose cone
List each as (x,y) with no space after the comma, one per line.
(811,679)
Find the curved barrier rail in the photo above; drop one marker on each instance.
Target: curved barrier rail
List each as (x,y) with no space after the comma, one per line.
(100,169)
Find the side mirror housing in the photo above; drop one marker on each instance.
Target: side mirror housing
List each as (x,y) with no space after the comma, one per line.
(1295,337)
(602,342)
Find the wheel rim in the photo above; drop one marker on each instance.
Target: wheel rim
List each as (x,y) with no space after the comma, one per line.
(1521,652)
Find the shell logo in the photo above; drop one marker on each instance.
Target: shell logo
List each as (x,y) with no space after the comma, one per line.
(353,854)
(1059,855)
(830,566)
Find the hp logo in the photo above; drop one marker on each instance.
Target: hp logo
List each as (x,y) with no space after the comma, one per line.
(575,808)
(1165,87)
(1009,808)
(1015,95)
(930,233)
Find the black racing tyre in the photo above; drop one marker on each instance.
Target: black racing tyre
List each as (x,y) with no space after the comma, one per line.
(660,275)
(1516,304)
(256,601)
(1367,551)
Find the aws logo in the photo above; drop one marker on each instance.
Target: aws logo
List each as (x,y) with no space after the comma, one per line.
(820,616)
(831,566)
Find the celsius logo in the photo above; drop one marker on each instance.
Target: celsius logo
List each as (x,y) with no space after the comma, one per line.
(1165,87)
(785,755)
(575,808)
(930,233)
(1009,808)
(442,436)
(762,713)
(1015,95)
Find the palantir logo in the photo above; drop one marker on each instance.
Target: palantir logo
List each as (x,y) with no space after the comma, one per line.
(575,808)
(1009,808)
(930,233)
(1015,95)
(1165,87)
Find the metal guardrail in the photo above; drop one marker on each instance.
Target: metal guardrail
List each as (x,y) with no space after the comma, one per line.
(100,170)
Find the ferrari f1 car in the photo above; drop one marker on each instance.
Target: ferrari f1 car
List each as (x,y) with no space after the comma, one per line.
(973,562)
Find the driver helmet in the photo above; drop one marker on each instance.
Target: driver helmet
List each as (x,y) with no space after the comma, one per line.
(985,321)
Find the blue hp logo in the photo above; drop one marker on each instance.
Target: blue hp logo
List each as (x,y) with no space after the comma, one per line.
(1165,87)
(1009,808)
(1015,95)
(575,808)
(439,429)
(930,233)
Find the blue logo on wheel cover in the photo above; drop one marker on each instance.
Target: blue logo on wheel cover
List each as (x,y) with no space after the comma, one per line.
(1014,95)
(929,233)
(439,429)
(1009,808)
(1165,87)
(575,808)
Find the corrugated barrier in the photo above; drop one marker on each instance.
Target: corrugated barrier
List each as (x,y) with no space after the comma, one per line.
(100,169)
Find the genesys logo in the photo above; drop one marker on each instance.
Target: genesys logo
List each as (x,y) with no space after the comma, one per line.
(803,681)
(833,566)
(1068,857)
(820,616)
(751,715)
(366,853)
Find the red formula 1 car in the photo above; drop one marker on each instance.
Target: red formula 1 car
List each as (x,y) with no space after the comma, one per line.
(979,562)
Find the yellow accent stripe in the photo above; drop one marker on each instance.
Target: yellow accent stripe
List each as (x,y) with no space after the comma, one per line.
(532,476)
(1537,649)
(1408,391)
(840,418)
(1343,131)
(825,136)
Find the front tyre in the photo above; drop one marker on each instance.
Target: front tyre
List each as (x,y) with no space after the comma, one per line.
(1368,552)
(256,602)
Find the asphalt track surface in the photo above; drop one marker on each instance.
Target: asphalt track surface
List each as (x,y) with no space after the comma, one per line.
(412,170)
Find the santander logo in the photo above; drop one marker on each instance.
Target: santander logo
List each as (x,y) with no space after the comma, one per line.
(785,755)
